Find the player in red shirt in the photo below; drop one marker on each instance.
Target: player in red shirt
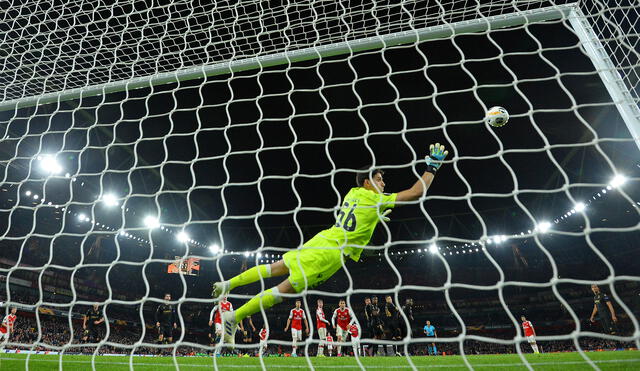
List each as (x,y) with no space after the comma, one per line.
(296,316)
(530,333)
(321,323)
(354,331)
(329,344)
(264,335)
(345,318)
(215,319)
(6,328)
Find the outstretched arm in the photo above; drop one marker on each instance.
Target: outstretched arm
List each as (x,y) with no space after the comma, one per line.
(437,154)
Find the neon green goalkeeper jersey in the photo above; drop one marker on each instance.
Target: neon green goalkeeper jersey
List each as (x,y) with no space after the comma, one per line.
(358,217)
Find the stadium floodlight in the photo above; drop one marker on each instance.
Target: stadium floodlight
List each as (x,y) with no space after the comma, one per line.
(109,199)
(182,236)
(543,227)
(49,164)
(27,193)
(618,180)
(433,248)
(151,222)
(580,206)
(35,197)
(214,248)
(82,217)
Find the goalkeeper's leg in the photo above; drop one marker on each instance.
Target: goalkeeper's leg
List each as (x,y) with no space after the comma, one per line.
(250,276)
(266,299)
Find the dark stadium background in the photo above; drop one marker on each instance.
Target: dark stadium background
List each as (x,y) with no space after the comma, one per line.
(237,184)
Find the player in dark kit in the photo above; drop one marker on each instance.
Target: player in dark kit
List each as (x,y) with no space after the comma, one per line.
(166,320)
(91,323)
(407,309)
(367,332)
(248,329)
(391,322)
(376,324)
(391,319)
(603,307)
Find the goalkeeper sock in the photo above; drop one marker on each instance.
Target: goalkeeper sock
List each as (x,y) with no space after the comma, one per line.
(268,298)
(250,276)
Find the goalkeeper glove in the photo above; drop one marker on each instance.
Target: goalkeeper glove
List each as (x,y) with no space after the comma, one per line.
(437,154)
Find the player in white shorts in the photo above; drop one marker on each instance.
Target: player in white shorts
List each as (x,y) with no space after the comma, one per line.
(321,323)
(296,317)
(6,327)
(354,330)
(530,333)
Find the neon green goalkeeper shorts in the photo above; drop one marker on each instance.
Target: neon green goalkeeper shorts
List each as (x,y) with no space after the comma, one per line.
(318,264)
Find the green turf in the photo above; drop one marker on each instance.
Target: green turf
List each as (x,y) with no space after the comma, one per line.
(621,360)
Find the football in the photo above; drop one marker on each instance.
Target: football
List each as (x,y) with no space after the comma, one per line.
(496,116)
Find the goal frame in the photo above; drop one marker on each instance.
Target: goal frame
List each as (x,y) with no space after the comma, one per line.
(593,48)
(606,69)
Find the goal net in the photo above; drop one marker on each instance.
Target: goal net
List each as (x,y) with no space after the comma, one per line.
(149,148)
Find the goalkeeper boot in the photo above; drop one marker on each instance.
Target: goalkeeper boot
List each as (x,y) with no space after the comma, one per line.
(220,289)
(230,327)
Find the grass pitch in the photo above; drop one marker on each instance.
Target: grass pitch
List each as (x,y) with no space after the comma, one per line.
(619,360)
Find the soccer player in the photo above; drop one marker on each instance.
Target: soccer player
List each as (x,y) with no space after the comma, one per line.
(7,326)
(321,325)
(90,323)
(324,254)
(296,316)
(530,333)
(354,331)
(407,309)
(392,317)
(367,331)
(602,305)
(345,319)
(430,331)
(264,336)
(166,320)
(376,325)
(329,344)
(392,323)
(248,329)
(215,319)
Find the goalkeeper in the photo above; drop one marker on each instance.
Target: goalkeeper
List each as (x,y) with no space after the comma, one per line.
(363,207)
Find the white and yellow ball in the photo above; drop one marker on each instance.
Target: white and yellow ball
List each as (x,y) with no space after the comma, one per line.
(496,116)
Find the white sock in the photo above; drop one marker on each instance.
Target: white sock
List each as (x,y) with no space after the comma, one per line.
(535,348)
(321,349)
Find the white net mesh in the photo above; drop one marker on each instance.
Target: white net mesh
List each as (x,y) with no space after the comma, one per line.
(137,135)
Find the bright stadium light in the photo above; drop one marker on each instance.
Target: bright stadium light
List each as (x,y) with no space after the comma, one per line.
(109,199)
(580,206)
(618,180)
(49,164)
(182,236)
(246,254)
(151,222)
(82,217)
(433,249)
(543,227)
(27,193)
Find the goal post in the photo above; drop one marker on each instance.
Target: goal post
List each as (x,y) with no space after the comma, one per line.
(321,51)
(626,104)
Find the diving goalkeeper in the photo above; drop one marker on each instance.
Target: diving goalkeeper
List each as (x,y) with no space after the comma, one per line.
(323,255)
